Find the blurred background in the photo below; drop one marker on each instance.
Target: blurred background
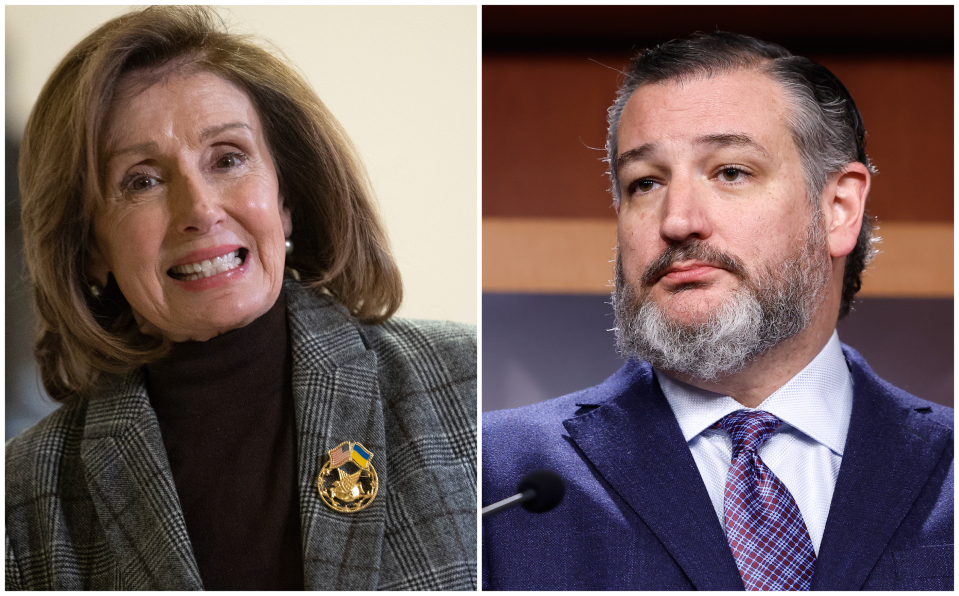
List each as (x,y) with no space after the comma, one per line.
(550,73)
(401,80)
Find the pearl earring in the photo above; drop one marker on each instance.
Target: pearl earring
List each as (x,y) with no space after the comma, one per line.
(289,246)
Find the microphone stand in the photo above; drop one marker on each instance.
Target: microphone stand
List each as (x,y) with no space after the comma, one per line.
(517,499)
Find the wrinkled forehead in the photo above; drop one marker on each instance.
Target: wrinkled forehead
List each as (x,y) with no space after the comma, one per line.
(745,102)
(149,104)
(132,84)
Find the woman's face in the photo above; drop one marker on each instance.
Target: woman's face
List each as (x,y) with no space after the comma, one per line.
(192,227)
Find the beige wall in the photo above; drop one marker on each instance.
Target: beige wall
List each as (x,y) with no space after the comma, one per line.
(402,80)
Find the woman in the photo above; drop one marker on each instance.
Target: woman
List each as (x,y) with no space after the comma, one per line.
(221,427)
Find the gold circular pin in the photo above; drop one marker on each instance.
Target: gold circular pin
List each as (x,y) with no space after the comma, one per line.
(347,487)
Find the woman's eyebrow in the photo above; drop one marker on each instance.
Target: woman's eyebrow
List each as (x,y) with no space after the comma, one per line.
(152,147)
(212,131)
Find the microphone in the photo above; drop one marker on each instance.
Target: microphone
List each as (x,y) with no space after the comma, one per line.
(538,491)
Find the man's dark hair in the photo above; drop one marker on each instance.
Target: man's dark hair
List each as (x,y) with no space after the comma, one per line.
(825,123)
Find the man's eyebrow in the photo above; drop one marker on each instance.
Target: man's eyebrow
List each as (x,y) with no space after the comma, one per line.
(152,147)
(715,141)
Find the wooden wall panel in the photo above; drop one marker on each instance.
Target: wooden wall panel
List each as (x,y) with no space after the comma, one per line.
(544,126)
(574,256)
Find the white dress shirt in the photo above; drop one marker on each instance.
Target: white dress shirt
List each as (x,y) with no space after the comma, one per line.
(806,450)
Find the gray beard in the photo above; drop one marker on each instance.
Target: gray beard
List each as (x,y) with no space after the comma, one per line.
(769,307)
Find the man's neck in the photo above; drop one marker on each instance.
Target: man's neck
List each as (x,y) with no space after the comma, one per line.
(766,373)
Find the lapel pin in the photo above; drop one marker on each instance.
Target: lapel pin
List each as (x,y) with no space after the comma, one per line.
(347,481)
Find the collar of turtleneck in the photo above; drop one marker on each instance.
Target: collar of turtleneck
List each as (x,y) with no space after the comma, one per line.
(230,371)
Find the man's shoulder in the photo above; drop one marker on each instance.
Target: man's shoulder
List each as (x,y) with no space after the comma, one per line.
(542,414)
(536,419)
(868,385)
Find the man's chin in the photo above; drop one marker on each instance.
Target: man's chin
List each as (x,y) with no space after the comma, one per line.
(690,307)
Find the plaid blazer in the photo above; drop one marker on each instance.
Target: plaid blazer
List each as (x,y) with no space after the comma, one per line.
(91,503)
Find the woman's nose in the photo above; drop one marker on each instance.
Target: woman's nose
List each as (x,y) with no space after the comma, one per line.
(195,204)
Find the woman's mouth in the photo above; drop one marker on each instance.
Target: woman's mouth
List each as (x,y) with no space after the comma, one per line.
(209,267)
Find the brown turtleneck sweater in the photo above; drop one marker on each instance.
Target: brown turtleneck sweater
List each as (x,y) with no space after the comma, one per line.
(225,408)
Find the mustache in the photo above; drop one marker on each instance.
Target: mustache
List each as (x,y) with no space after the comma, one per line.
(694,250)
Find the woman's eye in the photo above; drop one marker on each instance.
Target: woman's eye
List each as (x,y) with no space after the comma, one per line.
(136,183)
(132,183)
(228,160)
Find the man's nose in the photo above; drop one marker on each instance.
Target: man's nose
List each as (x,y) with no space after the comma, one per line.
(195,204)
(684,212)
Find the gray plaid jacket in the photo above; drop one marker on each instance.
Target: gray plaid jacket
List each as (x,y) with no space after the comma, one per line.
(91,504)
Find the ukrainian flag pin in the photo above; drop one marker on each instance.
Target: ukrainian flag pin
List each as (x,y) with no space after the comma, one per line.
(347,480)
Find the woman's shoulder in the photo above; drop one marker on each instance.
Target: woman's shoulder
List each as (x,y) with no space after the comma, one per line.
(435,360)
(44,446)
(318,317)
(59,426)
(435,348)
(412,335)
(116,400)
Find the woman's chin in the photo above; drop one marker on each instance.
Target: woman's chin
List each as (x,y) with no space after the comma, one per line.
(204,322)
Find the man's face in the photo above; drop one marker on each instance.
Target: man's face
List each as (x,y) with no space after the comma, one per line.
(721,256)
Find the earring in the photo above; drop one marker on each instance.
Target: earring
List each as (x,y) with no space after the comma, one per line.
(289,246)
(95,290)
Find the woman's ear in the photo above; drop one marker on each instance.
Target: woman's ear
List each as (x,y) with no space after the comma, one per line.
(97,267)
(285,218)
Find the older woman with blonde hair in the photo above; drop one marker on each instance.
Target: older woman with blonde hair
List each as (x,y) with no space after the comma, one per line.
(214,293)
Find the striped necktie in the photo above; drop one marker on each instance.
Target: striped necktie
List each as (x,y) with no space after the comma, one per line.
(764,527)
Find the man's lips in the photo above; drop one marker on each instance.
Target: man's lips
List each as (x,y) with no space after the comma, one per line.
(688,272)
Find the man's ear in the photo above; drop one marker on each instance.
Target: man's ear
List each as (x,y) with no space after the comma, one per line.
(843,204)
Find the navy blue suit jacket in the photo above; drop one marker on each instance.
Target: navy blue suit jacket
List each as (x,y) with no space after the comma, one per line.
(636,515)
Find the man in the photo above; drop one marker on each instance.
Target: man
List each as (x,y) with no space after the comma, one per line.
(741,446)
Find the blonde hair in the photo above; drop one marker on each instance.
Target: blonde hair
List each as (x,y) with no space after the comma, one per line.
(340,244)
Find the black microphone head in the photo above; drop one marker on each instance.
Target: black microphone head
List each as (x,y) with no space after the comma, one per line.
(549,489)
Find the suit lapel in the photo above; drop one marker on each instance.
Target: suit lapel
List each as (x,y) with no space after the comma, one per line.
(890,453)
(336,395)
(634,441)
(132,489)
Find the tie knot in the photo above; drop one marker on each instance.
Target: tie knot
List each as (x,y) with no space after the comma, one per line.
(749,429)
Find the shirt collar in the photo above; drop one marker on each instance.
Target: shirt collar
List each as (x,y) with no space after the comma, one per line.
(817,401)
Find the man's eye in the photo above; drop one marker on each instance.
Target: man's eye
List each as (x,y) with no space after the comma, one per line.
(724,171)
(640,183)
(641,187)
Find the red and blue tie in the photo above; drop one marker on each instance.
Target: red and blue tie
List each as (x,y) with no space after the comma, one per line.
(765,529)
